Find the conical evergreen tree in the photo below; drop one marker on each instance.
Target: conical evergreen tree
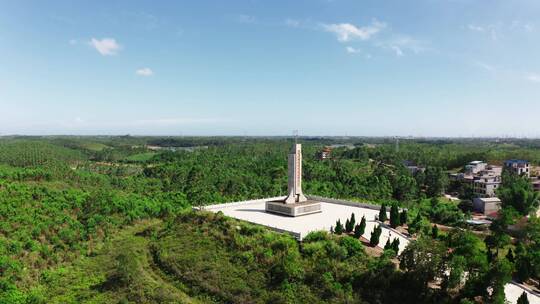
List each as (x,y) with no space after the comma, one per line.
(435,231)
(403,217)
(388,245)
(510,256)
(375,235)
(394,216)
(339,227)
(382,213)
(362,225)
(395,245)
(348,226)
(523,299)
(353,220)
(357,232)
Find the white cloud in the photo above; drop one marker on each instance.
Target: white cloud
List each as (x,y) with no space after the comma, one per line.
(352,50)
(347,31)
(485,66)
(292,22)
(476,28)
(106,46)
(533,77)
(522,26)
(246,19)
(492,30)
(400,45)
(73,41)
(144,72)
(397,50)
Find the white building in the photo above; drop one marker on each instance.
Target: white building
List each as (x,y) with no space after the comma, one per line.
(486,185)
(486,205)
(518,166)
(475,167)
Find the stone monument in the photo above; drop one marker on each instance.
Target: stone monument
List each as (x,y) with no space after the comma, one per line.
(296,203)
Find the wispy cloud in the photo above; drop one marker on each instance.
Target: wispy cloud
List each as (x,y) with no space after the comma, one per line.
(352,50)
(346,31)
(533,77)
(292,22)
(397,50)
(497,30)
(106,46)
(246,18)
(73,41)
(485,66)
(400,45)
(476,28)
(523,26)
(491,30)
(144,72)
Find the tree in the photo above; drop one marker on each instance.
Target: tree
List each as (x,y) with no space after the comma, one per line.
(523,299)
(423,260)
(382,213)
(416,224)
(435,231)
(517,192)
(395,245)
(352,221)
(394,216)
(357,231)
(403,217)
(498,237)
(388,245)
(339,227)
(435,181)
(498,275)
(522,264)
(349,225)
(375,235)
(510,256)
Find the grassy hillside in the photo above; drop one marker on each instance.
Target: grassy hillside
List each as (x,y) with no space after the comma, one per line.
(122,271)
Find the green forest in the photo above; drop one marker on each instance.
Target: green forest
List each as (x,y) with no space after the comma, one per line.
(110,220)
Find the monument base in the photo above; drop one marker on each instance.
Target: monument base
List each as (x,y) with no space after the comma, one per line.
(293,210)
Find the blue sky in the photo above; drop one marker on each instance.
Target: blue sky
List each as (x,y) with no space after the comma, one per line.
(324,67)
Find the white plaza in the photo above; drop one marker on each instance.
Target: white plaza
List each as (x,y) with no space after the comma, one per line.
(254,212)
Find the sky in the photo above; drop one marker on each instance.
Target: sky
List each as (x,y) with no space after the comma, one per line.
(454,68)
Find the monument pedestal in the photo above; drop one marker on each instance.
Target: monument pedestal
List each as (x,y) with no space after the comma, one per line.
(293,210)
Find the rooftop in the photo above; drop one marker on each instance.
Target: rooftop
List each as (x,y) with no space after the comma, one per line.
(489,199)
(517,161)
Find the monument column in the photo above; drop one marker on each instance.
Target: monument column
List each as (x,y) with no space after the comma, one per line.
(294,189)
(296,203)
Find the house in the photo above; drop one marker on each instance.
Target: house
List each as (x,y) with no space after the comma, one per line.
(412,167)
(475,167)
(486,205)
(518,166)
(324,153)
(486,186)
